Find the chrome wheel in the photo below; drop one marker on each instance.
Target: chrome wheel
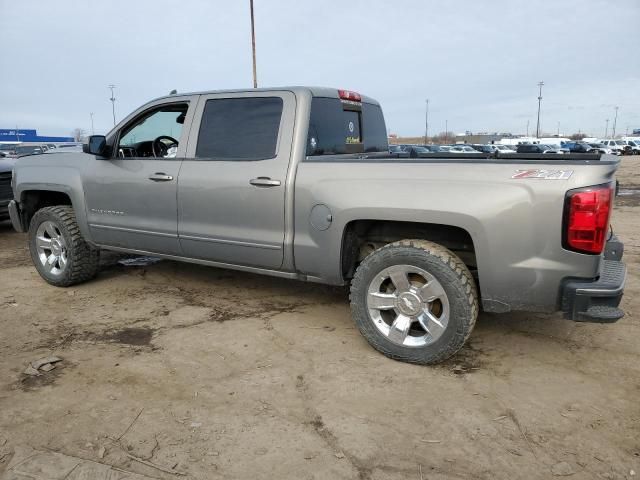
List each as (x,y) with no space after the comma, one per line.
(408,305)
(51,248)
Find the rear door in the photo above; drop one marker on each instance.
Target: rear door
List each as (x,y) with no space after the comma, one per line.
(231,190)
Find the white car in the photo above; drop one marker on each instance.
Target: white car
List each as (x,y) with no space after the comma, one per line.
(616,146)
(505,149)
(635,146)
(601,148)
(462,149)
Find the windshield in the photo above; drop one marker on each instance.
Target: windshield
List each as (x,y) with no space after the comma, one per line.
(421,149)
(620,142)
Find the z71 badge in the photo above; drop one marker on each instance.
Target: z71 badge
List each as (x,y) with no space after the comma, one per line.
(543,174)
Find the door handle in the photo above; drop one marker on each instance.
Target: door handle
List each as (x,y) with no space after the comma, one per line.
(160,177)
(264,182)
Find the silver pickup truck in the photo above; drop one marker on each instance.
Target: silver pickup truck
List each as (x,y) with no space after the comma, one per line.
(298,183)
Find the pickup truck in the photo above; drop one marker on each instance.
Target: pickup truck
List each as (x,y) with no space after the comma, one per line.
(298,183)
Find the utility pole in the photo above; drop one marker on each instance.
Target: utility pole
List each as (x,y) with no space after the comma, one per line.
(253,46)
(426,123)
(540,84)
(93,132)
(113,104)
(615,120)
(606,128)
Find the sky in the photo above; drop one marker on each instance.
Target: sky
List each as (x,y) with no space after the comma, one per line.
(478,62)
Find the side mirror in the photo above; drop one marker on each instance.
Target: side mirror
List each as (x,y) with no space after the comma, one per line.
(96,145)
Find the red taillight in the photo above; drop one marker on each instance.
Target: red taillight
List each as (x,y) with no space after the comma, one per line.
(347,95)
(587,219)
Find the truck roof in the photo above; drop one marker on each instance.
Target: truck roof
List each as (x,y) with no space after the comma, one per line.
(315,91)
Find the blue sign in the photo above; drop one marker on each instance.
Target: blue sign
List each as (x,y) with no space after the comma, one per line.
(28,135)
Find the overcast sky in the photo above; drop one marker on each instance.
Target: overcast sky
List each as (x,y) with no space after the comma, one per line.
(477,61)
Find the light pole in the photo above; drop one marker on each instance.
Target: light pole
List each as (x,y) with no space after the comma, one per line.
(558,131)
(540,84)
(606,128)
(615,120)
(253,46)
(527,128)
(426,123)
(113,104)
(446,131)
(93,132)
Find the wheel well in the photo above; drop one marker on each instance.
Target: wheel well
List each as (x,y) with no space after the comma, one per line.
(33,200)
(361,237)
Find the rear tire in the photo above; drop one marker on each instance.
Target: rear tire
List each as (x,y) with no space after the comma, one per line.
(414,301)
(58,251)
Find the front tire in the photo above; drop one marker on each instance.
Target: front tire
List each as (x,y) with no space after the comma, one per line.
(58,251)
(414,301)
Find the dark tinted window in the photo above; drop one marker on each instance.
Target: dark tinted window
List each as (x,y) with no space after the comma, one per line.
(336,127)
(240,128)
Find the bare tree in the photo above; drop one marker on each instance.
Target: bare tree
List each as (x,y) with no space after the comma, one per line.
(442,137)
(79,134)
(577,136)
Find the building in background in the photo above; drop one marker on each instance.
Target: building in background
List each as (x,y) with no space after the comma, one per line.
(13,135)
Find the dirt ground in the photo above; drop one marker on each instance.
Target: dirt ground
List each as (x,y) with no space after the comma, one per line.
(219,374)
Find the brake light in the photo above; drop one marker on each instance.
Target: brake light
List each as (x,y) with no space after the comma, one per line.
(347,95)
(587,219)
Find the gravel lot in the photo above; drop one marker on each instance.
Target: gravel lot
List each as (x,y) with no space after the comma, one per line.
(220,374)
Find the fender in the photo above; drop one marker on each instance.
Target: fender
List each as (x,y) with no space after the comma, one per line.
(31,175)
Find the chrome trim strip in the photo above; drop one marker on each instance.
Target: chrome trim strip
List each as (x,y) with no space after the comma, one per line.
(132,230)
(229,242)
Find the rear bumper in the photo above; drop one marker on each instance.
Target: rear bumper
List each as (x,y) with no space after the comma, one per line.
(598,300)
(14,214)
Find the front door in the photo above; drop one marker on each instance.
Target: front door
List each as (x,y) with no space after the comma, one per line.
(231,190)
(131,197)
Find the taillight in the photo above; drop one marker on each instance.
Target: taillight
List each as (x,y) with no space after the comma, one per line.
(347,95)
(587,212)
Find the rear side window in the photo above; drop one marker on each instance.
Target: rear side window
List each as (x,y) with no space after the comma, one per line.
(240,128)
(337,127)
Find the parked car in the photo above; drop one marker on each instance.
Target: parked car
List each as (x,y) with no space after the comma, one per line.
(505,148)
(23,150)
(616,146)
(398,151)
(6,193)
(579,147)
(484,148)
(415,151)
(319,198)
(436,148)
(462,149)
(538,148)
(600,148)
(633,145)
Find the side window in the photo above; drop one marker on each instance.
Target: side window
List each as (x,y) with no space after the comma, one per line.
(155,133)
(240,128)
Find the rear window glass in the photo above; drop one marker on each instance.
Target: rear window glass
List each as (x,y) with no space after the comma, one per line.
(240,128)
(337,128)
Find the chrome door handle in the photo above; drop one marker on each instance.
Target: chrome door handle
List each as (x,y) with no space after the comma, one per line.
(160,177)
(264,182)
